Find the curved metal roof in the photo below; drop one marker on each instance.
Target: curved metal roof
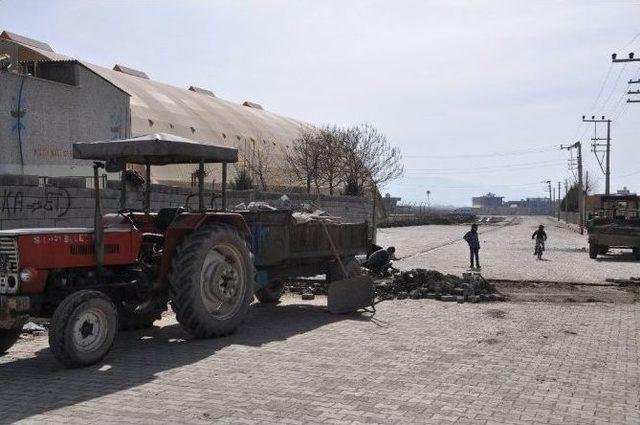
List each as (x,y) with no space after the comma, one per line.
(159,107)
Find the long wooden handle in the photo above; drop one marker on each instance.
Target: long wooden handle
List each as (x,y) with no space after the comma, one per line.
(335,251)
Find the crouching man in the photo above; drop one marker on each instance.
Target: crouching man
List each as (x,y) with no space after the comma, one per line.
(380,261)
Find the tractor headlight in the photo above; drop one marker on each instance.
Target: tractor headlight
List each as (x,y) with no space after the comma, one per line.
(25,275)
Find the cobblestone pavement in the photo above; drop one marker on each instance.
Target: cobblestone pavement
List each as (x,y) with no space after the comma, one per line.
(414,362)
(507,252)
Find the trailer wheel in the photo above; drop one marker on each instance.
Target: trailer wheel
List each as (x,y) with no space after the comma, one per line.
(83,328)
(8,337)
(211,281)
(602,250)
(352,266)
(271,293)
(593,251)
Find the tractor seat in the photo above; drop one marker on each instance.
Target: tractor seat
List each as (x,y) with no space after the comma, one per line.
(166,216)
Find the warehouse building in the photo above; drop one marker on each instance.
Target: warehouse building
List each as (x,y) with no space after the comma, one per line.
(49,100)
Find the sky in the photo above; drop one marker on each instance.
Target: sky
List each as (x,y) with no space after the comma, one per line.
(478,94)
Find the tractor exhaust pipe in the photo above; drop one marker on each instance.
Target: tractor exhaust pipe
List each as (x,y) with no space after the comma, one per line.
(98,226)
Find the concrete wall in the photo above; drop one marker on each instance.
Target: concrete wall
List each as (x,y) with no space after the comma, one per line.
(66,202)
(46,117)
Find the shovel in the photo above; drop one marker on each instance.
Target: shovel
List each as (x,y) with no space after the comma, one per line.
(349,294)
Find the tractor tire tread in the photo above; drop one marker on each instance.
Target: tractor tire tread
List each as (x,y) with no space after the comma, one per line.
(59,322)
(182,270)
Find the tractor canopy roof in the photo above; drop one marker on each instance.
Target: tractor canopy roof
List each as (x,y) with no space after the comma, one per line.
(155,149)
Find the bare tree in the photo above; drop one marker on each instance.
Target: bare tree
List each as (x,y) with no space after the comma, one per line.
(331,141)
(369,160)
(303,159)
(261,159)
(590,184)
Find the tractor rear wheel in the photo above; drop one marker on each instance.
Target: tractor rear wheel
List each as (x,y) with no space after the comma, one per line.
(211,281)
(593,251)
(83,328)
(271,293)
(8,337)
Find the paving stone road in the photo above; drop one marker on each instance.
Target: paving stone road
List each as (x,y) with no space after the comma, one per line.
(415,361)
(507,252)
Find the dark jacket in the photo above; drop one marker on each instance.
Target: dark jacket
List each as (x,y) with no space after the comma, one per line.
(539,234)
(379,260)
(472,239)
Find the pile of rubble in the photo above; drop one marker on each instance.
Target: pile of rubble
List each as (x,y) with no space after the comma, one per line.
(416,284)
(421,283)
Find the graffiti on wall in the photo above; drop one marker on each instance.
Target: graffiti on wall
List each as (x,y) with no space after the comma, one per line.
(55,200)
(18,112)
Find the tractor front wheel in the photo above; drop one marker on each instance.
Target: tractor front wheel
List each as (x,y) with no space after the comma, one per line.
(83,328)
(211,281)
(8,337)
(271,293)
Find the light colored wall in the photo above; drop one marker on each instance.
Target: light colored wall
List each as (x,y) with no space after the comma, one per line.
(54,116)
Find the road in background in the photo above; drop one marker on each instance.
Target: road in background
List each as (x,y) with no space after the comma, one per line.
(507,252)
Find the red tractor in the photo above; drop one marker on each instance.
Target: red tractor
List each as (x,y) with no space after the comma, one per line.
(121,273)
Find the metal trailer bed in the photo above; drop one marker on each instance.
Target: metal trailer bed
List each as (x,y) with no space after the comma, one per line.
(285,248)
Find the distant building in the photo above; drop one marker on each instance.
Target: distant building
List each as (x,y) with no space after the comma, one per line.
(594,202)
(624,192)
(391,203)
(488,201)
(538,206)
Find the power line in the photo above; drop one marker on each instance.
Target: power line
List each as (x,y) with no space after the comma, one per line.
(615,86)
(487,155)
(604,82)
(491,167)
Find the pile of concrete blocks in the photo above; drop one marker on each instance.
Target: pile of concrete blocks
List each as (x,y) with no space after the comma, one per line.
(422,283)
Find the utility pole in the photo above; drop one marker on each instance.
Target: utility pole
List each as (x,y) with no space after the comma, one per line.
(595,148)
(558,202)
(578,146)
(548,182)
(566,200)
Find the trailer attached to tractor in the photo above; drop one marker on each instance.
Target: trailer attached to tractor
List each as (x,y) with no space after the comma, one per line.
(121,273)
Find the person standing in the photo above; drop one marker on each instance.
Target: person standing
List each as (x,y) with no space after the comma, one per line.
(474,245)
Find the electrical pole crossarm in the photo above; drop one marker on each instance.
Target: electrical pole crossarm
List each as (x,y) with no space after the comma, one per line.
(631,58)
